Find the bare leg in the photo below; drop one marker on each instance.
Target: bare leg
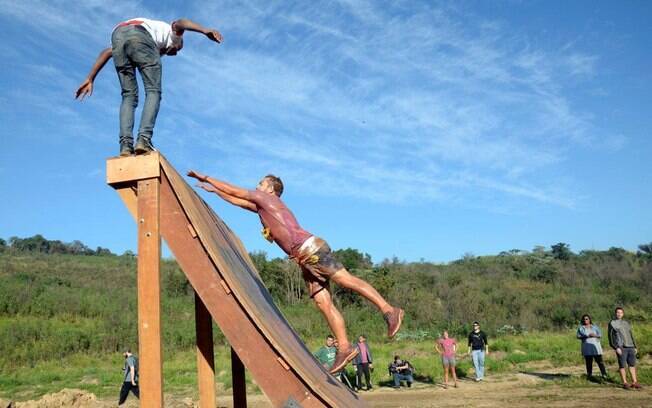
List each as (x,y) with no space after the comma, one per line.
(632,372)
(454,374)
(446,375)
(623,375)
(344,279)
(333,316)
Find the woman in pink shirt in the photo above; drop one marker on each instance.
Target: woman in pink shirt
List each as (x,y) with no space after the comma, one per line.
(447,346)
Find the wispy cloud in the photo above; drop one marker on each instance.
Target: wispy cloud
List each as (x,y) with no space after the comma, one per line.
(393,103)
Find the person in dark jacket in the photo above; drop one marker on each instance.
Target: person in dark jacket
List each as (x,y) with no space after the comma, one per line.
(621,339)
(478,347)
(401,370)
(590,335)
(363,362)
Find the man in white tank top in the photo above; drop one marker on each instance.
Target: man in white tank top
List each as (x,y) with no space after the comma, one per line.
(139,44)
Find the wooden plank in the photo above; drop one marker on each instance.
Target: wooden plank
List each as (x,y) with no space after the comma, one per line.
(205,354)
(239,385)
(236,268)
(128,195)
(256,352)
(132,168)
(149,294)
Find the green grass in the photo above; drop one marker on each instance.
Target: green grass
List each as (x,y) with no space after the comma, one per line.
(102,374)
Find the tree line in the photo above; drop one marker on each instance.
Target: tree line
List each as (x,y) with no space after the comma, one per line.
(39,244)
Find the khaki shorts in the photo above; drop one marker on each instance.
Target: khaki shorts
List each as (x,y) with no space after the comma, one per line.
(317,264)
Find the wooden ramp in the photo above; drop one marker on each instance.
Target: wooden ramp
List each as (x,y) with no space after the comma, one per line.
(227,287)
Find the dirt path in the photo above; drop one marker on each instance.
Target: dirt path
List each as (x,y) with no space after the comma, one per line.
(539,386)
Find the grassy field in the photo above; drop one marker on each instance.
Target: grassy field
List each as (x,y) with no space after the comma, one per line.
(101,374)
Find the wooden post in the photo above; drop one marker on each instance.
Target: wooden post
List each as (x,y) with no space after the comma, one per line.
(149,294)
(205,355)
(239,384)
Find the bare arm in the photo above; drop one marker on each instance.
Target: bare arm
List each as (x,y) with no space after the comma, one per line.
(246,204)
(86,87)
(224,187)
(183,24)
(132,370)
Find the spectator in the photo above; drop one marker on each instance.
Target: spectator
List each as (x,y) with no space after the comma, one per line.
(622,341)
(447,346)
(478,347)
(363,363)
(326,354)
(130,382)
(590,335)
(401,370)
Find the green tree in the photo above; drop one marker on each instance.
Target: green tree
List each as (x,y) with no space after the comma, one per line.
(353,259)
(561,251)
(3,245)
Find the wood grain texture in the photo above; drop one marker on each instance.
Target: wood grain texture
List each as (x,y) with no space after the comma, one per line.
(149,294)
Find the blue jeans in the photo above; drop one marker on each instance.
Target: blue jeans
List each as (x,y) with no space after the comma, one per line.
(133,47)
(478,363)
(402,377)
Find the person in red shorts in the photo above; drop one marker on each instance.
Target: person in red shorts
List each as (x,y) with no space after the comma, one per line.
(310,252)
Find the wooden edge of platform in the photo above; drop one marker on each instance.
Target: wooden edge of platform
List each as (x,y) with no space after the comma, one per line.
(133,168)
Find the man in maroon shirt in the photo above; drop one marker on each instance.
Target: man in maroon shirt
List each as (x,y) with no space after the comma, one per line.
(311,253)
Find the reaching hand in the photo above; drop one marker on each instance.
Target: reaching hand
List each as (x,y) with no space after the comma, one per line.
(206,187)
(85,89)
(197,175)
(214,35)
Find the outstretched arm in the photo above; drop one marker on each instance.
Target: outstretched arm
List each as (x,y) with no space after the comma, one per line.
(183,24)
(86,87)
(246,204)
(224,187)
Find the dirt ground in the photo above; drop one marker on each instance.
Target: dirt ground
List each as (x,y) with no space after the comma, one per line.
(537,387)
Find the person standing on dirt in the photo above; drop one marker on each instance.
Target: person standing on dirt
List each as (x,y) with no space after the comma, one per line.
(590,335)
(478,347)
(621,339)
(446,347)
(130,382)
(363,363)
(139,44)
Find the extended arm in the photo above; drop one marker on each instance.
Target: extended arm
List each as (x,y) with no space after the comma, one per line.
(222,186)
(242,203)
(183,24)
(132,370)
(86,87)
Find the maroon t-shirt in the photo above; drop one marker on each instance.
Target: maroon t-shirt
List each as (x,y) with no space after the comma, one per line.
(282,224)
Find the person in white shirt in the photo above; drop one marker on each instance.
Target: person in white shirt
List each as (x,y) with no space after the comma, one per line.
(139,44)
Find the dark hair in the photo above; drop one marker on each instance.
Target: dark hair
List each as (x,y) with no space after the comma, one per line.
(585,316)
(277,184)
(618,308)
(397,358)
(474,323)
(330,336)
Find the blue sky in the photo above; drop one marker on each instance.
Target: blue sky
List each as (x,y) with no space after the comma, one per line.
(422,130)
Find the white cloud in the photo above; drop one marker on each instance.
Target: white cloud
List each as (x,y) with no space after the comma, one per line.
(383,102)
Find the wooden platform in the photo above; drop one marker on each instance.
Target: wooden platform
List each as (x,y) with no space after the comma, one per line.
(228,286)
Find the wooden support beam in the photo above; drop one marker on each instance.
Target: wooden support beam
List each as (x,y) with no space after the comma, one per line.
(239,384)
(132,168)
(149,294)
(205,355)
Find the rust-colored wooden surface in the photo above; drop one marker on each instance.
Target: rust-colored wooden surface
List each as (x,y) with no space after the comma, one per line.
(205,354)
(277,382)
(226,281)
(237,270)
(149,294)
